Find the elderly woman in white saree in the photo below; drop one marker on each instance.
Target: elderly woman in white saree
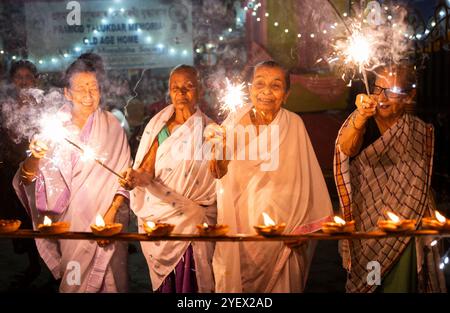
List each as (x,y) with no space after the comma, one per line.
(75,190)
(287,184)
(173,185)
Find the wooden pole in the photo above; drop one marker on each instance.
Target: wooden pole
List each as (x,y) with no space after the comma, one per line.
(233,238)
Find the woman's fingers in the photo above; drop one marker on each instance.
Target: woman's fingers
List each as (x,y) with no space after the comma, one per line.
(214,133)
(366,105)
(103,243)
(295,243)
(364,101)
(38,149)
(128,179)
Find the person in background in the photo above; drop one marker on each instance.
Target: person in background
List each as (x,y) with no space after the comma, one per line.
(23,75)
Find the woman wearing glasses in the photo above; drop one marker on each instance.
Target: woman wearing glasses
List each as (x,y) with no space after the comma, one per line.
(383,162)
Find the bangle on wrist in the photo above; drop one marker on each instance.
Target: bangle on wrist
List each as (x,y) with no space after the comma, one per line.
(27,176)
(352,121)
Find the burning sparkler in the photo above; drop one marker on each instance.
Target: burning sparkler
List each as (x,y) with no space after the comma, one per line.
(53,130)
(368,45)
(234,97)
(357,50)
(89,154)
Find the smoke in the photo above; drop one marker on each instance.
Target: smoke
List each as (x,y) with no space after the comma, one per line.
(378,37)
(22,117)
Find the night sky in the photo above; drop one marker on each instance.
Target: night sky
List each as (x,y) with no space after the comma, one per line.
(426,7)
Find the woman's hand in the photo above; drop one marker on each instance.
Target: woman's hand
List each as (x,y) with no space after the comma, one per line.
(366,106)
(135,178)
(30,166)
(216,135)
(294,244)
(38,149)
(110,216)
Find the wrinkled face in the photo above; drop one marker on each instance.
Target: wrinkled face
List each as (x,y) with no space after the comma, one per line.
(268,89)
(24,78)
(84,91)
(392,100)
(183,89)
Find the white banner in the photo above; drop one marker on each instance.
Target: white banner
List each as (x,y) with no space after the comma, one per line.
(127,34)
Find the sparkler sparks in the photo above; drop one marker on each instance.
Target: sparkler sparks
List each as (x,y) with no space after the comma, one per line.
(358,50)
(89,154)
(53,130)
(234,97)
(52,127)
(365,46)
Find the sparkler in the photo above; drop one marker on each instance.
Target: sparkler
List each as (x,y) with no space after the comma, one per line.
(356,50)
(89,154)
(53,130)
(234,96)
(370,43)
(359,51)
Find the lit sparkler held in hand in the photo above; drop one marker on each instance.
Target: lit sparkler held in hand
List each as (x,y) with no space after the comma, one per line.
(53,130)
(369,43)
(357,51)
(89,154)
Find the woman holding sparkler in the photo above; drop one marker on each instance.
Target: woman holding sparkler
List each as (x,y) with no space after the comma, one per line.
(383,162)
(285,182)
(172,184)
(57,181)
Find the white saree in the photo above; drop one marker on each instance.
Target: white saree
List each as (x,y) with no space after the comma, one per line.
(293,192)
(182,193)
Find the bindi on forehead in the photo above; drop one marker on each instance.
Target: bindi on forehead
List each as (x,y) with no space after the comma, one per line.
(84,80)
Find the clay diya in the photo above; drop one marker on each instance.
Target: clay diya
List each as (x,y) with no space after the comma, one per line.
(53,228)
(339,226)
(100,228)
(395,224)
(212,230)
(438,222)
(270,228)
(9,226)
(158,229)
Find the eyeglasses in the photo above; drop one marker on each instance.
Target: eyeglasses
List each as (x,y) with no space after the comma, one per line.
(393,93)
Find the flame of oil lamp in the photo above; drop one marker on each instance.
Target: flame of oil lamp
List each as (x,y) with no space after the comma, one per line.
(394,218)
(47,221)
(339,220)
(267,220)
(99,222)
(151,225)
(441,219)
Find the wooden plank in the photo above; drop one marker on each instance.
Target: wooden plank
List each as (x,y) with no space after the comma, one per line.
(237,238)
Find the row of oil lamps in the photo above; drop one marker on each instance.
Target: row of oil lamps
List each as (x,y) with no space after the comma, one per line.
(270,228)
